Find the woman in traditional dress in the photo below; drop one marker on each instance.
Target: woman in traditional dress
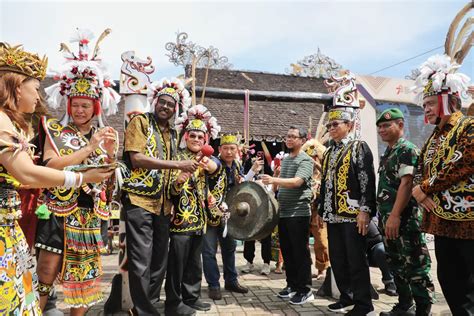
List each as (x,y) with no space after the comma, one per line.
(69,237)
(20,75)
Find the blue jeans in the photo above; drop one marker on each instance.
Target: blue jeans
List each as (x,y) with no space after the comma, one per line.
(209,249)
(378,258)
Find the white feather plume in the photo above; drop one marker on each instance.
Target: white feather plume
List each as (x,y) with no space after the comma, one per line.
(442,71)
(81,34)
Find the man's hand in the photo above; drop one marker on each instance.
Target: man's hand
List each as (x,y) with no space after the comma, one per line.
(392,226)
(204,163)
(257,165)
(428,204)
(188,165)
(418,194)
(266,179)
(363,220)
(276,172)
(183,177)
(423,200)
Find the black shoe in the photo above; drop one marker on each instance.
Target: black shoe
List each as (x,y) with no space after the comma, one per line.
(236,287)
(134,312)
(200,305)
(423,309)
(400,310)
(355,312)
(180,310)
(214,293)
(53,312)
(287,292)
(301,298)
(340,307)
(391,289)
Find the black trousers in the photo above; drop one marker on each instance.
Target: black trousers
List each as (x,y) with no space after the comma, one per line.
(184,276)
(348,256)
(266,250)
(147,251)
(455,259)
(294,236)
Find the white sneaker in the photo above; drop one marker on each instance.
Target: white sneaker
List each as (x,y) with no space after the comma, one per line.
(247,268)
(301,298)
(265,269)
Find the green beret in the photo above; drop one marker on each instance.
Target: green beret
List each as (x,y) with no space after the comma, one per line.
(390,115)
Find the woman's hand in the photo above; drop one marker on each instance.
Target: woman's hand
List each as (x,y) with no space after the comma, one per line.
(106,139)
(110,140)
(97,175)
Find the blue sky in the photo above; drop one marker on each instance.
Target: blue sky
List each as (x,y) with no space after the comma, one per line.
(363,36)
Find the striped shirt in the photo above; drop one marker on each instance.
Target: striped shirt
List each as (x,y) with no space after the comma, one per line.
(296,202)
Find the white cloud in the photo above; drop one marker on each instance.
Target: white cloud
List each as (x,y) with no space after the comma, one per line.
(371,34)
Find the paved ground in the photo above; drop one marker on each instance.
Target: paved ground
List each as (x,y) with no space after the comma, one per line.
(262,299)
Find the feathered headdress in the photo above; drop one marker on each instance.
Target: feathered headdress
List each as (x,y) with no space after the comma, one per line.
(438,77)
(174,88)
(83,76)
(197,118)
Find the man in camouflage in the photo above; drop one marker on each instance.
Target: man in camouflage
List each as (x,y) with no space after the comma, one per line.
(400,219)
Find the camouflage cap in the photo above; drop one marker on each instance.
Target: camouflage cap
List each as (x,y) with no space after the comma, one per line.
(390,115)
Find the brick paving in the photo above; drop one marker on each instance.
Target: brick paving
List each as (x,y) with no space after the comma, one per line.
(262,299)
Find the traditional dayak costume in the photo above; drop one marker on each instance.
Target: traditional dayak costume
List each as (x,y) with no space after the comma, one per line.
(146,201)
(190,199)
(18,284)
(74,228)
(347,188)
(447,168)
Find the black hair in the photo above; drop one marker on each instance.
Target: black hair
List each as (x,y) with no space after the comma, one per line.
(301,131)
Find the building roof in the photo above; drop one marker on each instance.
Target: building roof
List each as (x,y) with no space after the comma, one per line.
(269,119)
(253,80)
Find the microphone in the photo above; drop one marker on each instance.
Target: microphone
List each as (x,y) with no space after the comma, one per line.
(206,151)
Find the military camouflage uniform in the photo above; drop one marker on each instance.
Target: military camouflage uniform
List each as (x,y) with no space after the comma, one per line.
(408,255)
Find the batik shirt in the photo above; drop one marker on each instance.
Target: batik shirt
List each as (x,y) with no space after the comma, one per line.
(348,182)
(397,162)
(447,169)
(149,188)
(189,198)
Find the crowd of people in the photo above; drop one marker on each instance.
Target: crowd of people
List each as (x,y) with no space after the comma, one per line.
(174,196)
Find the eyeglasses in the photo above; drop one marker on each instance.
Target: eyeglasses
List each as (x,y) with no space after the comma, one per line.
(292,137)
(167,104)
(196,136)
(334,124)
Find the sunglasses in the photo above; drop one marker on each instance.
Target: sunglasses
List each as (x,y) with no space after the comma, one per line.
(333,124)
(167,104)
